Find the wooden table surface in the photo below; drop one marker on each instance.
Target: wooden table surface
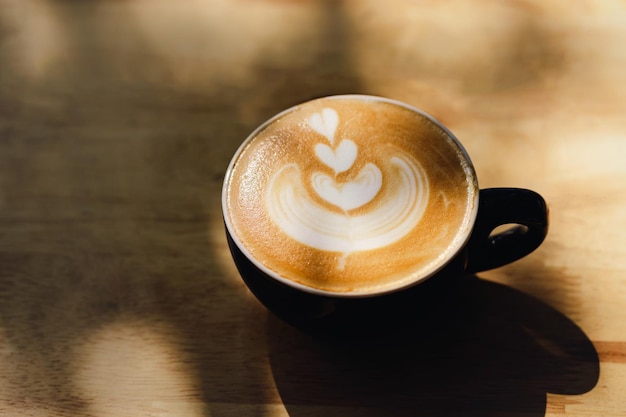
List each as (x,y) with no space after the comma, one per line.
(117,121)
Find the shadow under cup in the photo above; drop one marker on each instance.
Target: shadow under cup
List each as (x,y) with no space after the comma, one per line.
(425,299)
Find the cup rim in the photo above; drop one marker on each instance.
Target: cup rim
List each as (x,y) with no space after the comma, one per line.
(451,252)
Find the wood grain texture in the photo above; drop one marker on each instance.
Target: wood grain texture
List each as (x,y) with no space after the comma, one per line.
(117,122)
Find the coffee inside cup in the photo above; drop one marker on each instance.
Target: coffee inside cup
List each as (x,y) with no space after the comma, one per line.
(350,195)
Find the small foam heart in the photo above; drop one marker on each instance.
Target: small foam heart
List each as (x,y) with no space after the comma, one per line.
(340,159)
(349,195)
(325,123)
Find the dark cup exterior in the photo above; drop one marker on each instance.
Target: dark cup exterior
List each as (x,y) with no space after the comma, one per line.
(427,301)
(353,316)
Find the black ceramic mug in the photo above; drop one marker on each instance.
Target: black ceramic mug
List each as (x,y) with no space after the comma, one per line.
(358,213)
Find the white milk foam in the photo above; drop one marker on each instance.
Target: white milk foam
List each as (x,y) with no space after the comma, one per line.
(310,223)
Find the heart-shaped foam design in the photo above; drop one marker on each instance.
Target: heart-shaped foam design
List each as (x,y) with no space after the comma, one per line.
(340,159)
(325,123)
(349,195)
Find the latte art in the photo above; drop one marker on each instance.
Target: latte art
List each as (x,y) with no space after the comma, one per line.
(315,225)
(350,194)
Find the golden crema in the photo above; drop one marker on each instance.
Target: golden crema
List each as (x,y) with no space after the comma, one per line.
(350,194)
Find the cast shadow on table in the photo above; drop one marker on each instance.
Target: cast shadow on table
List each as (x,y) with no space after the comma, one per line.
(499,353)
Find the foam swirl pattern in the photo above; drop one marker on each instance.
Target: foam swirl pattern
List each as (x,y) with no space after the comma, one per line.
(313,224)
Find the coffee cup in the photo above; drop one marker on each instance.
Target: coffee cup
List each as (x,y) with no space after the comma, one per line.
(354,213)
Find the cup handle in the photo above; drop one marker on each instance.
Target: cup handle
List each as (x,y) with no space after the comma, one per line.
(523,208)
